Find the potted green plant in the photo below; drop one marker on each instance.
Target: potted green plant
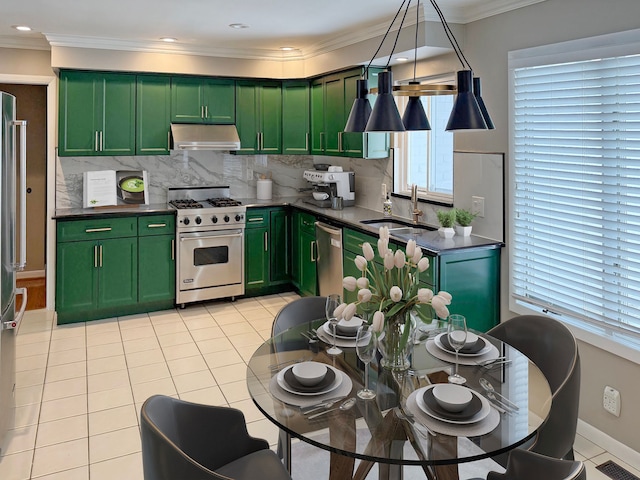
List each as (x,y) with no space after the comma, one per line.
(463,221)
(447,219)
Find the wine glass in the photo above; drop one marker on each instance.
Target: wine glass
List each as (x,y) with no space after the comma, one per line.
(333,301)
(366,349)
(457,335)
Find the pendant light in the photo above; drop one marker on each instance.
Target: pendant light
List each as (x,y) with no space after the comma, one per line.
(477,91)
(360,110)
(414,117)
(385,116)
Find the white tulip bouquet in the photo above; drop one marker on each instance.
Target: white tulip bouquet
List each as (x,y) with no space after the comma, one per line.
(392,291)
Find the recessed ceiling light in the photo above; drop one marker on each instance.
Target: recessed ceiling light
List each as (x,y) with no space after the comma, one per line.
(287,49)
(169,39)
(22,28)
(238,25)
(402,59)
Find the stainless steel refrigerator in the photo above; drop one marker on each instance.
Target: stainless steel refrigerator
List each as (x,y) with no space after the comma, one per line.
(9,320)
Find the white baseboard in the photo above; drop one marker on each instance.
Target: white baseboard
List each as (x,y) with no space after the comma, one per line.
(611,445)
(31,274)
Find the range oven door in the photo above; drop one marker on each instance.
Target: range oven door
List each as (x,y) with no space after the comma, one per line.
(210,259)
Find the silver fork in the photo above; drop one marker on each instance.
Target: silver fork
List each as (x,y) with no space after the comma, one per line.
(418,427)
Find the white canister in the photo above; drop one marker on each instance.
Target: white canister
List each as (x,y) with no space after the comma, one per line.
(264,189)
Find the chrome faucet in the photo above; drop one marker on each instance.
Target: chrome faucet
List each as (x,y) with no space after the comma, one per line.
(416,213)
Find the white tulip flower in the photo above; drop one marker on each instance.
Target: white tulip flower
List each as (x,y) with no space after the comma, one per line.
(417,255)
(362,282)
(367,251)
(425,295)
(411,248)
(384,233)
(446,295)
(383,247)
(399,259)
(349,311)
(395,293)
(339,310)
(349,283)
(361,263)
(423,264)
(439,306)
(364,295)
(377,323)
(388,261)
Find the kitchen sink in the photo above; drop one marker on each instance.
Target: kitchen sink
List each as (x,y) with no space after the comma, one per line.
(398,227)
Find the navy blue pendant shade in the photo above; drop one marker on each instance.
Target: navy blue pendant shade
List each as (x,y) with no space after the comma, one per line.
(384,116)
(477,91)
(414,117)
(360,110)
(466,114)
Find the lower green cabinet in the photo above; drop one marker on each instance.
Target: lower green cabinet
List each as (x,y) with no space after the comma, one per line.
(303,254)
(104,268)
(267,251)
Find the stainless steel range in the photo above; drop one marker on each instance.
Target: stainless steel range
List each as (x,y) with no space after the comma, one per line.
(210,233)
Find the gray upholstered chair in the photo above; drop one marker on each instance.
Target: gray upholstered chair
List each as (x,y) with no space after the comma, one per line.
(527,465)
(553,348)
(183,440)
(297,312)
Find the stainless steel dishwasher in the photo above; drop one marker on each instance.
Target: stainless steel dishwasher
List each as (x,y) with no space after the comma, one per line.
(329,261)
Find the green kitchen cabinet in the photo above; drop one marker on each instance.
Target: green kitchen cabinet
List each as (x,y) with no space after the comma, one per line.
(96,114)
(303,254)
(259,116)
(267,250)
(295,117)
(203,100)
(105,269)
(156,259)
(153,114)
(331,99)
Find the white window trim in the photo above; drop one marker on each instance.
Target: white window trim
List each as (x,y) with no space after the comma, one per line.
(614,44)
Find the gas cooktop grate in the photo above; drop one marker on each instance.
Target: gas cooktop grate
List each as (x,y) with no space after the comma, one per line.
(185,203)
(224,202)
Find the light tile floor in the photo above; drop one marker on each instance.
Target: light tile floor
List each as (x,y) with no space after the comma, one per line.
(80,386)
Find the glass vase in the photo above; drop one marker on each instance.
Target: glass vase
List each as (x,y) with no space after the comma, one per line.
(395,342)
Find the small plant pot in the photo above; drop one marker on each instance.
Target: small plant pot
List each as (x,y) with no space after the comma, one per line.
(446,232)
(463,231)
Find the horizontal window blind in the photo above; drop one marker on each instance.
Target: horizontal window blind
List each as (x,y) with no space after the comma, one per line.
(576,151)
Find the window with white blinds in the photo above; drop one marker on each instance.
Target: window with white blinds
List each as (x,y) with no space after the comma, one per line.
(575,145)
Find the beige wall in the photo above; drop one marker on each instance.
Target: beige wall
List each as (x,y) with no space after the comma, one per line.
(17,61)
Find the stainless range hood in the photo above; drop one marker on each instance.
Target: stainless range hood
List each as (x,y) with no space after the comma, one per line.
(204,137)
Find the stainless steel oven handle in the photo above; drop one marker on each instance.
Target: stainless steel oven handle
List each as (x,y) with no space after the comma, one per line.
(211,237)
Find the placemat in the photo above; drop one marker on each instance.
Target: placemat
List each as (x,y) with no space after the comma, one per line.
(471,430)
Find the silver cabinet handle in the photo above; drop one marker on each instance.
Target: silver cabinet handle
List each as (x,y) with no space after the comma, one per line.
(156,225)
(95,143)
(95,256)
(201,111)
(256,219)
(173,249)
(100,256)
(206,111)
(340,141)
(92,230)
(169,140)
(257,140)
(313,251)
(266,242)
(101,141)
(306,141)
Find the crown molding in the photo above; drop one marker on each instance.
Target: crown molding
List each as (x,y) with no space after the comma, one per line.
(24,42)
(476,12)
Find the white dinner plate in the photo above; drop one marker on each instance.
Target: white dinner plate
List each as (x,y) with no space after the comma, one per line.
(485,349)
(285,386)
(481,415)
(329,331)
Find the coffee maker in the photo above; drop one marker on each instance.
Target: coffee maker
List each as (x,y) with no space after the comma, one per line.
(330,184)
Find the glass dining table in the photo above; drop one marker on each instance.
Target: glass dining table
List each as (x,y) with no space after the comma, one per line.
(396,429)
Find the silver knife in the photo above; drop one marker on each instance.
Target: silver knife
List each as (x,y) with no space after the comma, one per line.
(324,404)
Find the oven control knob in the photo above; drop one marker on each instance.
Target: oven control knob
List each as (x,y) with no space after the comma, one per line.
(198,220)
(238,218)
(226,218)
(214,219)
(186,221)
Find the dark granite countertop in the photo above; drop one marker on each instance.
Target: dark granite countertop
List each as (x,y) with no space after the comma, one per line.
(124,211)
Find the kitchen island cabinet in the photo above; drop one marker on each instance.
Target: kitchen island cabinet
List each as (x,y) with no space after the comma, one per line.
(267,251)
(96,114)
(104,269)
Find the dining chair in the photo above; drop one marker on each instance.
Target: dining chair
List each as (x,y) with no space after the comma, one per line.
(554,349)
(184,440)
(297,312)
(527,465)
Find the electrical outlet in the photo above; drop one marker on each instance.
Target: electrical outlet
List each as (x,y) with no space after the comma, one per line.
(611,400)
(477,206)
(383,192)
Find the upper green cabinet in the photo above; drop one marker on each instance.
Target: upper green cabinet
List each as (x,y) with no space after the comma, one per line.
(259,116)
(202,100)
(331,99)
(96,114)
(153,114)
(295,117)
